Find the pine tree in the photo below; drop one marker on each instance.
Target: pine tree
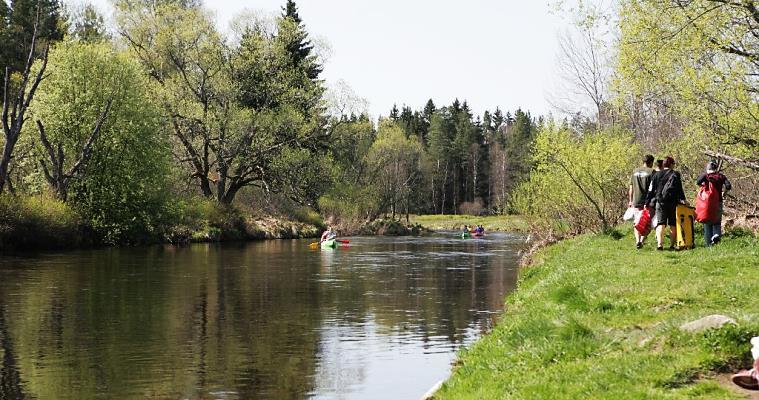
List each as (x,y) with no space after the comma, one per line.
(297,44)
(395,115)
(429,109)
(21,18)
(290,10)
(87,25)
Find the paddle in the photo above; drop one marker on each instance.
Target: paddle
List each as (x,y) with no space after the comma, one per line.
(316,244)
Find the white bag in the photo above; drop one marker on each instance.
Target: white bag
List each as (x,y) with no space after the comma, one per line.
(630,214)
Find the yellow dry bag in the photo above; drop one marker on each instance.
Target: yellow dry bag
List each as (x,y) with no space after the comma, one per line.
(686,217)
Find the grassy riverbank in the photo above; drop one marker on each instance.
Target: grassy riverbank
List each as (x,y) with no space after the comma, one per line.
(503,223)
(595,318)
(43,223)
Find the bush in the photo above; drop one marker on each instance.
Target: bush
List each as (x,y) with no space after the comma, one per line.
(472,207)
(579,180)
(39,222)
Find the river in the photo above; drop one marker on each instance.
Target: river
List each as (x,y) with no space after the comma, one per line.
(381,318)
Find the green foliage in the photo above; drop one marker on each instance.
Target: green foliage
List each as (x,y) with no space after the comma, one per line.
(121,189)
(36,222)
(502,223)
(395,162)
(17,29)
(580,180)
(86,24)
(698,64)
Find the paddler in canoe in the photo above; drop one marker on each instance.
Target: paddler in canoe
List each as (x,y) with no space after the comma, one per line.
(479,231)
(465,233)
(329,234)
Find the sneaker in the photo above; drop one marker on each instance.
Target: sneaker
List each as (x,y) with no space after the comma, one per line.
(639,245)
(716,239)
(659,248)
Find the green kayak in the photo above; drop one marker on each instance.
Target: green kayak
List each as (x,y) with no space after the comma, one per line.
(466,235)
(329,244)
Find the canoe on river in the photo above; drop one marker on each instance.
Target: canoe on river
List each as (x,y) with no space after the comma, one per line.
(329,244)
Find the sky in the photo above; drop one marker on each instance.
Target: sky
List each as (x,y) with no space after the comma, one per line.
(492,53)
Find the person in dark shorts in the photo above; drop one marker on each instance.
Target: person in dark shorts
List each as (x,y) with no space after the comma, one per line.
(665,192)
(636,195)
(720,183)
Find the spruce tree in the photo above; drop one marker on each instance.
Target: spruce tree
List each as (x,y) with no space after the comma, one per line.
(395,115)
(429,109)
(87,25)
(21,21)
(291,28)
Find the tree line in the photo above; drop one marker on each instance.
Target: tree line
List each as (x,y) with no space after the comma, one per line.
(164,117)
(434,160)
(129,126)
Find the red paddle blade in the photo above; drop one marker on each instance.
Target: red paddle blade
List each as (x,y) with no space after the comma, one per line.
(343,241)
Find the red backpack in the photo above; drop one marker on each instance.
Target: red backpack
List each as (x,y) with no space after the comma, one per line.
(707,203)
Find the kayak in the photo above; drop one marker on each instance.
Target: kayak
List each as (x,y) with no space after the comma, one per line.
(466,235)
(329,244)
(476,234)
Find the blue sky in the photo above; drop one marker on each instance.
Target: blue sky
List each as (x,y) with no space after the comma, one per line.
(489,52)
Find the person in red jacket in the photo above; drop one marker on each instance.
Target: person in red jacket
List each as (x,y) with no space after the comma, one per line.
(721,185)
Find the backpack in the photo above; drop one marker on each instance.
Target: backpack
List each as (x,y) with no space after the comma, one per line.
(707,203)
(669,190)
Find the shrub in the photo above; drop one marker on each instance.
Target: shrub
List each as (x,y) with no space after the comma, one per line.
(580,180)
(472,207)
(39,222)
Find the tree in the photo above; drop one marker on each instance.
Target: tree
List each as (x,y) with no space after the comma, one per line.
(395,160)
(29,21)
(705,63)
(15,107)
(694,65)
(235,113)
(101,143)
(440,147)
(394,113)
(87,24)
(297,45)
(579,180)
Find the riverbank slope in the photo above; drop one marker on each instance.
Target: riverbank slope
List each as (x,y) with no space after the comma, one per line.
(595,318)
(501,223)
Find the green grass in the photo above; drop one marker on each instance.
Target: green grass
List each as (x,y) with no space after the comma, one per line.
(595,318)
(504,223)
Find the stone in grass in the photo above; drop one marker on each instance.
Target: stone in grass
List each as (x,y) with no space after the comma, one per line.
(712,321)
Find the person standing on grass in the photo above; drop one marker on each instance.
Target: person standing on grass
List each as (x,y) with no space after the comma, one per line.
(636,195)
(667,191)
(721,185)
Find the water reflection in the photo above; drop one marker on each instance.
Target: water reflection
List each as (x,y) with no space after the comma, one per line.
(259,320)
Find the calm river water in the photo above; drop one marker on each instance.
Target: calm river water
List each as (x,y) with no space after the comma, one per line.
(380,319)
